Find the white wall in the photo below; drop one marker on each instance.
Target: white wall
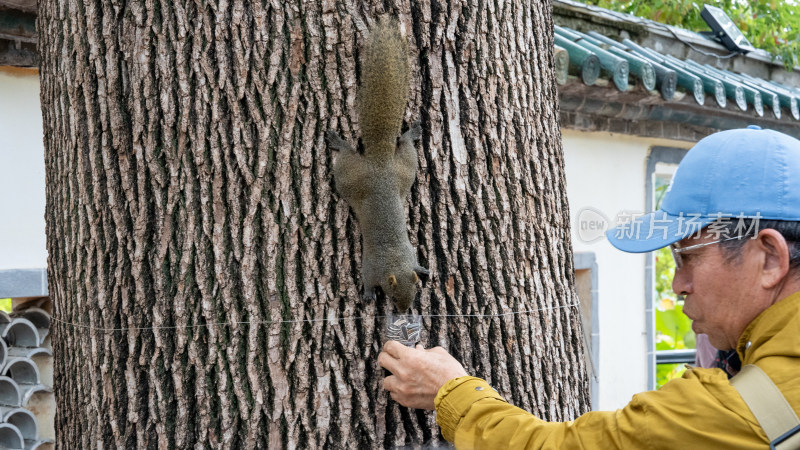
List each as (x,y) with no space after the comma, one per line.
(22,200)
(606,172)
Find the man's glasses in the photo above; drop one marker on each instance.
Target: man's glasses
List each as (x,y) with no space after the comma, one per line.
(676,251)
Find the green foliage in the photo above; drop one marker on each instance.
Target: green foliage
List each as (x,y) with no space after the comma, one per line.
(673,328)
(771,25)
(666,372)
(665,268)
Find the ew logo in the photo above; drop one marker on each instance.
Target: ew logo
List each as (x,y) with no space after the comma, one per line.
(591,225)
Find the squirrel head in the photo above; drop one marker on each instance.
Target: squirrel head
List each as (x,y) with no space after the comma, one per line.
(402,288)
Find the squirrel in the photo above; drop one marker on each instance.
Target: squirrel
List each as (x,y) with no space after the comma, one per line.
(376,183)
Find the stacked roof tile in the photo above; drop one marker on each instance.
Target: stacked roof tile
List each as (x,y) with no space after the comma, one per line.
(626,61)
(23,355)
(629,75)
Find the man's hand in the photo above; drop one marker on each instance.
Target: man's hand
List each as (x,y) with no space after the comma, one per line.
(418,374)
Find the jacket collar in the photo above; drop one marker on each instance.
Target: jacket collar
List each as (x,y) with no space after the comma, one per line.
(774,332)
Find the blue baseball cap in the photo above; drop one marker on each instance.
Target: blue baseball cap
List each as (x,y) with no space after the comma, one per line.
(743,173)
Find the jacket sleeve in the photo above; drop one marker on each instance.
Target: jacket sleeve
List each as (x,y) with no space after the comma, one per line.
(472,415)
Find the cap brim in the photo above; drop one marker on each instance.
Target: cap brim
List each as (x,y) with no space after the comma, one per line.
(655,230)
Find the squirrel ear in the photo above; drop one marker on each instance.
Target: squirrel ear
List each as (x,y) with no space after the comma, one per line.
(414,277)
(392,281)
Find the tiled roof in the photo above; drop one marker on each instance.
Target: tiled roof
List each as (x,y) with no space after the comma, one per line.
(588,53)
(18,33)
(665,74)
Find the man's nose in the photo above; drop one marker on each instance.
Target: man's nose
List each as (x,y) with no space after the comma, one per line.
(682,281)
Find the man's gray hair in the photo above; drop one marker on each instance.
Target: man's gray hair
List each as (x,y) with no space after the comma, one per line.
(789,230)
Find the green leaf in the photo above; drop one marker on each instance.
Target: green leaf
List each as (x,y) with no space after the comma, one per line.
(667,372)
(674,329)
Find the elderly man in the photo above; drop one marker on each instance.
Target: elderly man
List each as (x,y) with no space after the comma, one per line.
(741,282)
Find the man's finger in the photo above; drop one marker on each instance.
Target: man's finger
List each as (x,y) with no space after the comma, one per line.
(389,363)
(389,382)
(396,397)
(394,349)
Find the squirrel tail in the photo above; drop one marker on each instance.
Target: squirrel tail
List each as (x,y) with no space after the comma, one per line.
(384,87)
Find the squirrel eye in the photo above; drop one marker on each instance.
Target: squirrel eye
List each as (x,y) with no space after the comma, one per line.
(414,277)
(392,280)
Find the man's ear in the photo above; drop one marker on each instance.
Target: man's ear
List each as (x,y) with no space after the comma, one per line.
(776,257)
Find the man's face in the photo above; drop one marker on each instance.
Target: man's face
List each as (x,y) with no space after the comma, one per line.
(719,291)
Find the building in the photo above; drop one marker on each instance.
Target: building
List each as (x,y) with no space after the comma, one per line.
(625,126)
(23,254)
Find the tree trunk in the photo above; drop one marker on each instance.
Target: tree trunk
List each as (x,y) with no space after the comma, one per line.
(192,220)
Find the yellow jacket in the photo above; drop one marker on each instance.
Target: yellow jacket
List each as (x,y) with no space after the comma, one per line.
(700,410)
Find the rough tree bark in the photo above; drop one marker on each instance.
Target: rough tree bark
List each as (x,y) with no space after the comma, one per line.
(188,184)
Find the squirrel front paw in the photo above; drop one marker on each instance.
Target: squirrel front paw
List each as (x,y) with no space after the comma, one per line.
(413,133)
(336,142)
(369,294)
(422,272)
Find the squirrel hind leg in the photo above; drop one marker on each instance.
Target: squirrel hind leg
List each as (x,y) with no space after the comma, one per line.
(337,143)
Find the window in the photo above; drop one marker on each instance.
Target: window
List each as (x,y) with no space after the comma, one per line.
(674,339)
(586,285)
(671,342)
